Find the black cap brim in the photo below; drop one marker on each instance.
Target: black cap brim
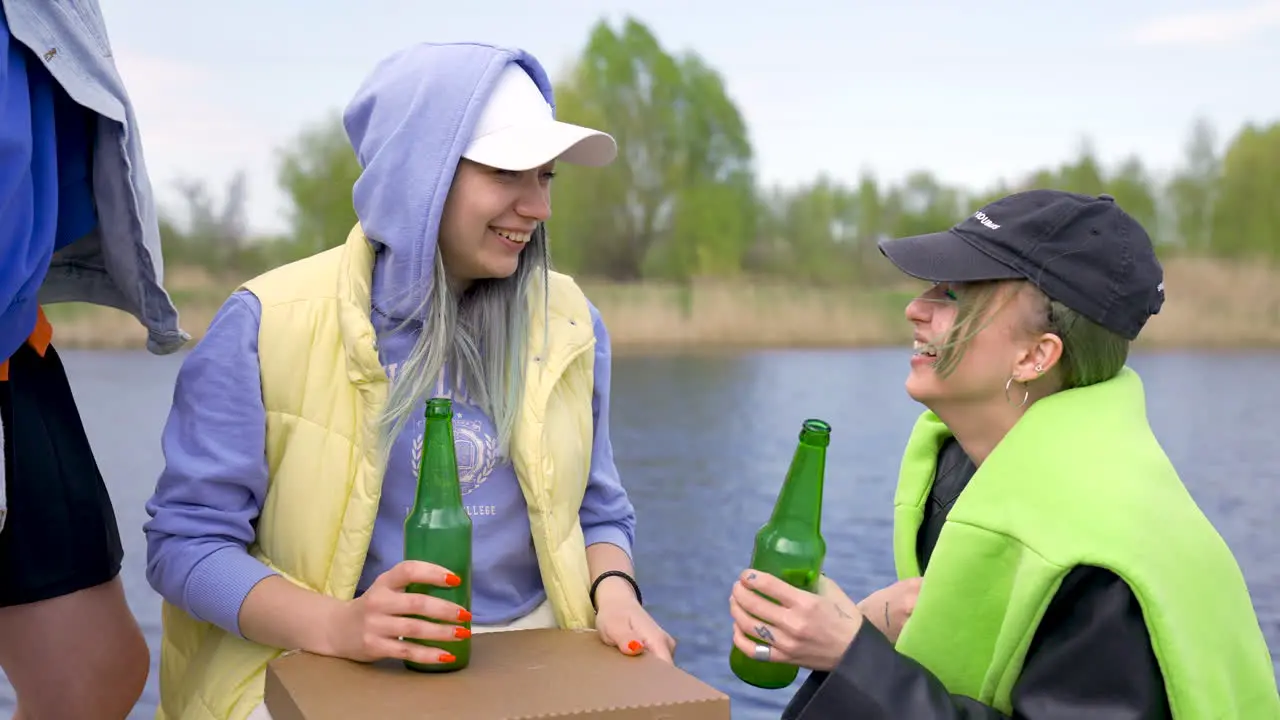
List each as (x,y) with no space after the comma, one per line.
(944,257)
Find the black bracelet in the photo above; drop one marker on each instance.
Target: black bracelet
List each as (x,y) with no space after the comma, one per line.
(614,573)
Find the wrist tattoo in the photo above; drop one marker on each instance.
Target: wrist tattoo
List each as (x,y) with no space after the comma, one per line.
(843,613)
(887,623)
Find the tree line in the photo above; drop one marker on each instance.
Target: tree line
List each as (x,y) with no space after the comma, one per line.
(682,200)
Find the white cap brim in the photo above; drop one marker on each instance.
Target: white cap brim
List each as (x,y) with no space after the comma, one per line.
(527,146)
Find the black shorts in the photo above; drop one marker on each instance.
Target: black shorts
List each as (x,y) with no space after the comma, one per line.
(61,534)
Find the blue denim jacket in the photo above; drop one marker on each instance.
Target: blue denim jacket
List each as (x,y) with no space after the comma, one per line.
(119,264)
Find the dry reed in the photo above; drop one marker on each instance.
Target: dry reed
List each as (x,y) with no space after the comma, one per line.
(1211,304)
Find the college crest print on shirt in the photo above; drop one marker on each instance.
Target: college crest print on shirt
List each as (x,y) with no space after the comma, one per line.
(477,451)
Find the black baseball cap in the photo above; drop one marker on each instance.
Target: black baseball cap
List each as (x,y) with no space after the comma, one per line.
(1082,251)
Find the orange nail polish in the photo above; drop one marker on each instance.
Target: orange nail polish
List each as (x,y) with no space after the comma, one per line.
(447,658)
(461,633)
(464,615)
(452,580)
(634,646)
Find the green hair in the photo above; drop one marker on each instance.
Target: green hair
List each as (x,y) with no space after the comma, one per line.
(1090,352)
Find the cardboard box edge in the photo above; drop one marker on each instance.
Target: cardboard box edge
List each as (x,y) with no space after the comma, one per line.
(723,698)
(274,690)
(612,708)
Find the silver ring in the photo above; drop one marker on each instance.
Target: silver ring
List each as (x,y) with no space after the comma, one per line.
(762,653)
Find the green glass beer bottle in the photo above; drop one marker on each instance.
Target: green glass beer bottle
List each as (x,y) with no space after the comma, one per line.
(438,529)
(790,546)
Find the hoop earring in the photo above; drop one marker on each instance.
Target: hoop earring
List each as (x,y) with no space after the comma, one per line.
(1026,393)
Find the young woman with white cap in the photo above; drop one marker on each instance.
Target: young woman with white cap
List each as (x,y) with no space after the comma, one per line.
(292,443)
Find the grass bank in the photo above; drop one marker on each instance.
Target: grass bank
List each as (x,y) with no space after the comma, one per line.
(1212,304)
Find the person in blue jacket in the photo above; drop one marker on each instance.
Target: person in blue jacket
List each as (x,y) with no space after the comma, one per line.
(77,223)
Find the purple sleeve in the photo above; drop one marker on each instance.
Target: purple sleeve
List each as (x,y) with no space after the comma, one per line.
(607,514)
(215,476)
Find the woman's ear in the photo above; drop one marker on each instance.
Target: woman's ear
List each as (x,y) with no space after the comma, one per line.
(1039,357)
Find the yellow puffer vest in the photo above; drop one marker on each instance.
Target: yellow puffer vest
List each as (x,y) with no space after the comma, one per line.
(323,386)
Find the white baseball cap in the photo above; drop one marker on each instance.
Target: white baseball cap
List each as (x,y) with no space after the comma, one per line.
(516,130)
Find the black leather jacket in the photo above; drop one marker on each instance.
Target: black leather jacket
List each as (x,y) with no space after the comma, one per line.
(1091,656)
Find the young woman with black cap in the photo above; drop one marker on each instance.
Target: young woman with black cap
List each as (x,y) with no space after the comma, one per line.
(1069,572)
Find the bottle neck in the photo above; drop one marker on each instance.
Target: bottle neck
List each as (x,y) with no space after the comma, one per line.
(800,501)
(438,472)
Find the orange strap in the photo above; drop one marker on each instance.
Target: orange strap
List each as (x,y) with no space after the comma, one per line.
(39,340)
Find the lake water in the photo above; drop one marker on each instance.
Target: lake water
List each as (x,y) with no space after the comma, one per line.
(703,443)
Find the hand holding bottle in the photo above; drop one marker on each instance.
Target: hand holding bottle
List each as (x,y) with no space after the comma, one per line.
(371,627)
(801,628)
(437,533)
(789,550)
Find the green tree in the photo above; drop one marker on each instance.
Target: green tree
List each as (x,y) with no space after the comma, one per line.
(317,172)
(1134,191)
(1084,175)
(816,230)
(204,233)
(680,199)
(923,205)
(1193,191)
(1246,216)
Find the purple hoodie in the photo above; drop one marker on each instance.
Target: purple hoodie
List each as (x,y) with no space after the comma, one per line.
(409,123)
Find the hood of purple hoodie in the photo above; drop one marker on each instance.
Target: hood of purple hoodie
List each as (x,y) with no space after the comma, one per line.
(409,123)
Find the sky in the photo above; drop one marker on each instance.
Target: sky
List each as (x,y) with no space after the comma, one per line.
(825,88)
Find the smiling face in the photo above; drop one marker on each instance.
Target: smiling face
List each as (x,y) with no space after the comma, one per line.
(488,218)
(971,338)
